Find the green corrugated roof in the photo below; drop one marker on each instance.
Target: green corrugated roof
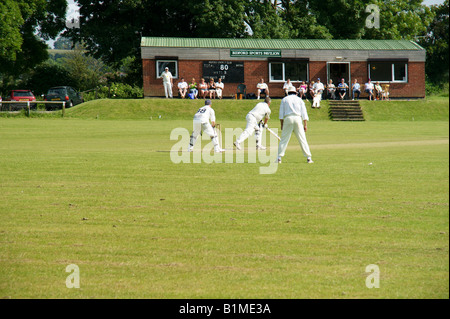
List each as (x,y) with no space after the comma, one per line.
(295,44)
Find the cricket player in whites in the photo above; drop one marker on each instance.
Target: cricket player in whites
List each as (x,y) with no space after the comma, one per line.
(261,112)
(201,123)
(293,118)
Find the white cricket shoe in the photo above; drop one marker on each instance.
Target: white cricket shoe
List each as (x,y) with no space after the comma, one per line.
(260,147)
(309,160)
(278,160)
(190,148)
(237,145)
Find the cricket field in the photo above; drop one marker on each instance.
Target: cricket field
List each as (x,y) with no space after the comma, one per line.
(94,200)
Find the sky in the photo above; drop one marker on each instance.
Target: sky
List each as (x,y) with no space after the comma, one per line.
(432,2)
(72,11)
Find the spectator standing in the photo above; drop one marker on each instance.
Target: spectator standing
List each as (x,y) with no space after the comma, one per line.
(182,88)
(262,88)
(318,91)
(356,90)
(219,88)
(167,82)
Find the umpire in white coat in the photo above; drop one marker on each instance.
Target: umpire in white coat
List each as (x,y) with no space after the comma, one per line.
(293,118)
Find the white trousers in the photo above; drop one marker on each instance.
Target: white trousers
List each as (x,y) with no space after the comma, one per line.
(219,93)
(198,127)
(316,100)
(168,89)
(293,123)
(249,129)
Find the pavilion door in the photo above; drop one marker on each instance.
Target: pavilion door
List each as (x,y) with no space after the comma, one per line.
(338,70)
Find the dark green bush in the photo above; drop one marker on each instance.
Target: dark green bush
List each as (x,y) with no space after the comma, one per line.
(115,91)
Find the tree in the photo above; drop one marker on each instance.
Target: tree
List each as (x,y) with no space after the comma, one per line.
(436,44)
(85,71)
(400,19)
(23,25)
(63,43)
(10,23)
(47,75)
(112,29)
(302,21)
(342,19)
(219,19)
(265,21)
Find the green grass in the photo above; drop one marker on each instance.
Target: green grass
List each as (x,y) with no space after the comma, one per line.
(435,108)
(104,195)
(430,109)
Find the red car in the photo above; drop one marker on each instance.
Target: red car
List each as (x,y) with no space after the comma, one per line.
(19,96)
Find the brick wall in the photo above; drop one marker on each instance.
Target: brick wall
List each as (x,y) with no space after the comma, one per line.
(254,70)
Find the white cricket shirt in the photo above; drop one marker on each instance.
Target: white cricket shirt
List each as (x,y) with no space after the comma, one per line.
(166,76)
(368,86)
(182,85)
(205,114)
(261,86)
(261,111)
(287,85)
(318,86)
(292,104)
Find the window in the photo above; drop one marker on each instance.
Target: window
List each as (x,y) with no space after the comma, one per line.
(385,71)
(399,70)
(294,70)
(276,72)
(171,64)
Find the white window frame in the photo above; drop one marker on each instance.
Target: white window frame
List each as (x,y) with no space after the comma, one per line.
(283,72)
(159,72)
(392,72)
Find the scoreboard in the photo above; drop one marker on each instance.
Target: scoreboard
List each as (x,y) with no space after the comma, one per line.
(229,71)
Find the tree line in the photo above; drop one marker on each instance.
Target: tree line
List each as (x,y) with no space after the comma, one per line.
(110,30)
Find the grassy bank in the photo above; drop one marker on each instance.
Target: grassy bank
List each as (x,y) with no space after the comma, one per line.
(430,109)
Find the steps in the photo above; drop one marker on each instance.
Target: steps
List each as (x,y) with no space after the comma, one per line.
(345,110)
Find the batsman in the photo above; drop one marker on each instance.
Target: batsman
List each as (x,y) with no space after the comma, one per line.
(256,120)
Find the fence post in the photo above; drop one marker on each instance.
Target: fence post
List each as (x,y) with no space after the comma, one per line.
(28,108)
(63,109)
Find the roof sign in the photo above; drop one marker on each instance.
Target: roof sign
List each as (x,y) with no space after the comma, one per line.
(254,53)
